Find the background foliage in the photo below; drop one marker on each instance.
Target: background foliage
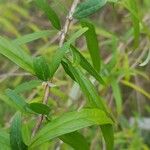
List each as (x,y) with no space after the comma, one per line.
(122,59)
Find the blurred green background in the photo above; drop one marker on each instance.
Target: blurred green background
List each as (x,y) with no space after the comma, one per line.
(121,60)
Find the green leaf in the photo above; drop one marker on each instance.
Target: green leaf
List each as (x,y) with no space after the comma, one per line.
(66,68)
(92,44)
(4,140)
(131,5)
(32,37)
(117,95)
(39,108)
(70,122)
(94,101)
(87,66)
(88,7)
(27,86)
(75,140)
(16,54)
(17,100)
(108,133)
(41,68)
(16,140)
(86,86)
(49,12)
(62,51)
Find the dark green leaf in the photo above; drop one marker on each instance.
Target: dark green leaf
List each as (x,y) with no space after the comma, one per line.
(62,51)
(66,68)
(49,12)
(16,140)
(41,68)
(75,140)
(92,44)
(70,122)
(94,101)
(39,108)
(88,7)
(87,66)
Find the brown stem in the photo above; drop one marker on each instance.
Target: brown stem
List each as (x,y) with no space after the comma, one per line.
(41,117)
(62,39)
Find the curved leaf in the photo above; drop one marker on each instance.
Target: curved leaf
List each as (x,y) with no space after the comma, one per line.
(70,122)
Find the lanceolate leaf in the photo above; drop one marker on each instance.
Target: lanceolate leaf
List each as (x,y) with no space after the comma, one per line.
(62,51)
(92,44)
(94,101)
(16,140)
(49,12)
(4,140)
(66,68)
(17,100)
(131,5)
(16,54)
(27,86)
(117,95)
(87,66)
(39,108)
(32,37)
(41,68)
(86,86)
(70,122)
(75,140)
(88,7)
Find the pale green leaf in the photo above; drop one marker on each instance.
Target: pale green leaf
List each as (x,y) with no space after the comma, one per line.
(32,37)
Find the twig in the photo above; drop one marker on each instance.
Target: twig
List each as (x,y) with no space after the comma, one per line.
(41,118)
(62,39)
(69,19)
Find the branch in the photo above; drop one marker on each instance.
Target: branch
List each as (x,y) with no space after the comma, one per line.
(41,117)
(68,21)
(63,34)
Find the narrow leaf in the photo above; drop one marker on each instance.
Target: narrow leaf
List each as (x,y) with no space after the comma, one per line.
(75,140)
(17,100)
(32,37)
(49,12)
(117,95)
(92,44)
(41,68)
(4,140)
(88,7)
(27,86)
(87,66)
(16,54)
(70,122)
(131,5)
(39,108)
(94,101)
(16,140)
(62,51)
